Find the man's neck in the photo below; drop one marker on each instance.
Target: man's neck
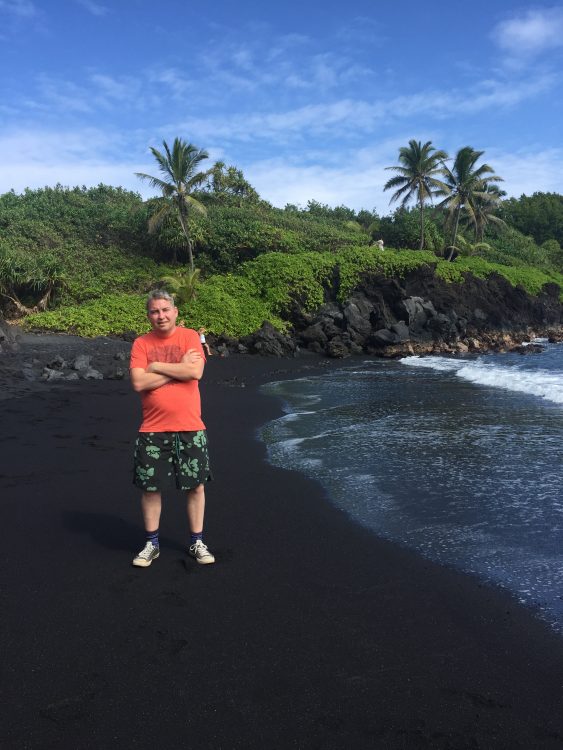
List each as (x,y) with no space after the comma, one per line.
(165,334)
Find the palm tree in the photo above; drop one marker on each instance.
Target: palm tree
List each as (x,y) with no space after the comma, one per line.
(467,249)
(183,286)
(24,279)
(416,176)
(181,177)
(484,208)
(465,185)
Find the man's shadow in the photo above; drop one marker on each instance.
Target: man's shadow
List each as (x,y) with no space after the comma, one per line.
(110,532)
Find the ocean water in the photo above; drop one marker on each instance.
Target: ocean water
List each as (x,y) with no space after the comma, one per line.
(459,458)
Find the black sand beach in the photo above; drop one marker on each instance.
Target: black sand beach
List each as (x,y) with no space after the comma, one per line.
(308,632)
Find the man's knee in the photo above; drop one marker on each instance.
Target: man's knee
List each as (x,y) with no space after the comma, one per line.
(197,492)
(151,497)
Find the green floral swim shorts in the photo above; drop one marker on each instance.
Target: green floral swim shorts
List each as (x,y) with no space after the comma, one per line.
(171,460)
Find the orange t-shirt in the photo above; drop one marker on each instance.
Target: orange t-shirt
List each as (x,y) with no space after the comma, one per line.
(176,406)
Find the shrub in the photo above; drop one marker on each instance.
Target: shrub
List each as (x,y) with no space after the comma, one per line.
(229,305)
(108,314)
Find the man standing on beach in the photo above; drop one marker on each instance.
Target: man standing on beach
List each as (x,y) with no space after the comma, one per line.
(171,448)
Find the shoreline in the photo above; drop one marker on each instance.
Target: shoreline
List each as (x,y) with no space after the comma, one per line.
(26,361)
(308,632)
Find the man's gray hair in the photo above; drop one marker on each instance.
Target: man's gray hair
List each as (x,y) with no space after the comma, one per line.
(159,294)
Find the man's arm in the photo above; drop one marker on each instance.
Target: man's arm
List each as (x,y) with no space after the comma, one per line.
(142,380)
(189,368)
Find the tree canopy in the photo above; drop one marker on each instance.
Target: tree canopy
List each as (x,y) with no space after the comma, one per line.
(465,185)
(420,165)
(179,167)
(539,215)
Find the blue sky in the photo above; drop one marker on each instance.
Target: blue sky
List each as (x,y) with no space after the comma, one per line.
(311,100)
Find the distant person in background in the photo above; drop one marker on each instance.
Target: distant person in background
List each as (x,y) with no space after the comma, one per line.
(379,244)
(204,344)
(171,448)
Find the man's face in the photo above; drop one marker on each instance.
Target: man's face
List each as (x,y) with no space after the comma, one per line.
(162,315)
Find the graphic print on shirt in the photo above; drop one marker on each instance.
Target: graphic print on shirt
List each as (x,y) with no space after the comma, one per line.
(172,354)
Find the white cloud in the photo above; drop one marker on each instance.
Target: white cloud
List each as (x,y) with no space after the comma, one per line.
(94,8)
(354,179)
(176,80)
(529,171)
(531,33)
(281,184)
(113,88)
(18,8)
(88,156)
(354,117)
(58,98)
(357,180)
(38,158)
(63,96)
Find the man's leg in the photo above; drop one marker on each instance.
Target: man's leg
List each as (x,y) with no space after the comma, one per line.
(196,512)
(196,509)
(151,504)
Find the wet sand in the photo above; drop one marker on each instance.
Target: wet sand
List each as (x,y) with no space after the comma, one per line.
(308,632)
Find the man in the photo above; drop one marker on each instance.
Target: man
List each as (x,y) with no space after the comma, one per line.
(171,448)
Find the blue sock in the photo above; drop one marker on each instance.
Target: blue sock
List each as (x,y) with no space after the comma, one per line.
(195,537)
(152,536)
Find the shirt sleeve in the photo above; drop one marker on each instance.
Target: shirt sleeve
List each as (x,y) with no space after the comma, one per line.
(138,355)
(193,342)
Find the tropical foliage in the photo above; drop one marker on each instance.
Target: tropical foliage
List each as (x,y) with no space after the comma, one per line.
(420,165)
(467,186)
(228,184)
(236,304)
(539,216)
(179,167)
(183,285)
(83,258)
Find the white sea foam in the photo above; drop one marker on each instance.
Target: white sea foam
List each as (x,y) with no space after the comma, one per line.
(293,416)
(290,444)
(542,383)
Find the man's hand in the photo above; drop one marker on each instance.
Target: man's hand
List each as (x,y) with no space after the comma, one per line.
(192,356)
(190,367)
(142,380)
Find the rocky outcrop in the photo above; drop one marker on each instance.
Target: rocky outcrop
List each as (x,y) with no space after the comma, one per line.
(422,313)
(50,359)
(383,317)
(269,342)
(419,314)
(8,337)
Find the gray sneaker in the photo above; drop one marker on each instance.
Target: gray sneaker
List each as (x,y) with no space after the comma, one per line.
(200,552)
(146,555)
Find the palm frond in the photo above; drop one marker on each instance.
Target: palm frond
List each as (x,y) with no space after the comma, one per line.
(158,218)
(154,182)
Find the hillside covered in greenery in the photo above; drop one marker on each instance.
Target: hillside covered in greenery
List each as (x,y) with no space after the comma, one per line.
(81,260)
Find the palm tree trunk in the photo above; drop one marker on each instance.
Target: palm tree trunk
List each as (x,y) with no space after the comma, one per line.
(190,256)
(20,307)
(421,246)
(187,236)
(457,213)
(41,306)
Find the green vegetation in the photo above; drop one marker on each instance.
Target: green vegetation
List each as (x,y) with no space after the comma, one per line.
(531,279)
(417,177)
(81,260)
(469,190)
(179,168)
(539,216)
(108,314)
(265,289)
